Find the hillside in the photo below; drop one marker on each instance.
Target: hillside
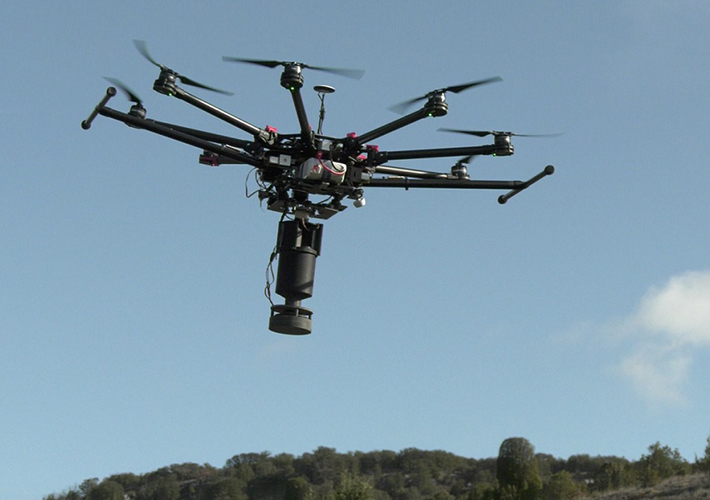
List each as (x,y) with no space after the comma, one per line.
(412,474)
(675,488)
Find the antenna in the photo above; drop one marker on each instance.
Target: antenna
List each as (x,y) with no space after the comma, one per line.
(322,91)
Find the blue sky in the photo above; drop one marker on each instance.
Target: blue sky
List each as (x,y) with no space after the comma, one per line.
(133,327)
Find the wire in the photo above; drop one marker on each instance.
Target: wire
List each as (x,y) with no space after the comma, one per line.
(246,183)
(270,275)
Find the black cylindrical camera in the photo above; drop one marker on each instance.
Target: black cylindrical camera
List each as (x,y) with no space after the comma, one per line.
(298,247)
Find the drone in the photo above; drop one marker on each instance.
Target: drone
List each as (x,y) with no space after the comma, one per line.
(308,175)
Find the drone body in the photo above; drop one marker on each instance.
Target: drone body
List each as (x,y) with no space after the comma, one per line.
(293,169)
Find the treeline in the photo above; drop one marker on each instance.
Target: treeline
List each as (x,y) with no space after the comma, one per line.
(411,474)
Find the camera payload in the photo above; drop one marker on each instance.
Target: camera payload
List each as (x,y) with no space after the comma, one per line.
(319,170)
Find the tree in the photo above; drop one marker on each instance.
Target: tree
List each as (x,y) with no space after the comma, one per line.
(661,462)
(228,488)
(516,470)
(351,487)
(160,487)
(561,487)
(106,490)
(88,485)
(704,463)
(128,480)
(297,488)
(615,473)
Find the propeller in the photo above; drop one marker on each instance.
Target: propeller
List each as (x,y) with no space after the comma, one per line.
(484,133)
(143,49)
(466,160)
(132,96)
(355,74)
(402,106)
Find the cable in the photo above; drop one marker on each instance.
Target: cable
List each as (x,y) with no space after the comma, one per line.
(270,275)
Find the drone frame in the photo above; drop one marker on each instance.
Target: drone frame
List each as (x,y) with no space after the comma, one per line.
(292,167)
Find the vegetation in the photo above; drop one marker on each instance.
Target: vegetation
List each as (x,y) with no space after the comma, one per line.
(518,473)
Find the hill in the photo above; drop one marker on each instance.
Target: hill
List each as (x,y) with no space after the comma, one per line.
(518,473)
(687,487)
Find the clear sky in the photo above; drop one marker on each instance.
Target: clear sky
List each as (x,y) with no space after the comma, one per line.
(133,327)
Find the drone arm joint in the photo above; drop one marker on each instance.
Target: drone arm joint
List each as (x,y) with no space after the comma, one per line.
(110,92)
(549,170)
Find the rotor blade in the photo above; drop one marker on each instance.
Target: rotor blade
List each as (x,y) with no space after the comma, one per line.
(467,159)
(143,49)
(483,133)
(477,133)
(402,106)
(259,62)
(349,73)
(459,88)
(355,74)
(190,81)
(537,135)
(132,96)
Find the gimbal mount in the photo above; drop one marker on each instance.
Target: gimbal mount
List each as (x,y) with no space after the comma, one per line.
(292,168)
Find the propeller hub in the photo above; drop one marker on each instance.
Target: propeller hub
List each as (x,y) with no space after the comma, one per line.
(460,171)
(502,142)
(137,110)
(165,84)
(292,77)
(436,104)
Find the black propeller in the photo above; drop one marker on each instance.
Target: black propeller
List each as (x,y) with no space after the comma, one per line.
(484,133)
(132,96)
(466,160)
(402,106)
(355,74)
(143,49)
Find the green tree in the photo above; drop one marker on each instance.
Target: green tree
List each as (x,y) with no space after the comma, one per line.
(704,463)
(615,473)
(548,465)
(247,458)
(297,488)
(561,487)
(661,462)
(160,487)
(392,483)
(228,488)
(190,471)
(442,495)
(106,490)
(351,487)
(128,480)
(482,491)
(328,465)
(516,470)
(88,485)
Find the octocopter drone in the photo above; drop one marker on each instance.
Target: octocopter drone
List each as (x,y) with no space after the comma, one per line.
(294,169)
